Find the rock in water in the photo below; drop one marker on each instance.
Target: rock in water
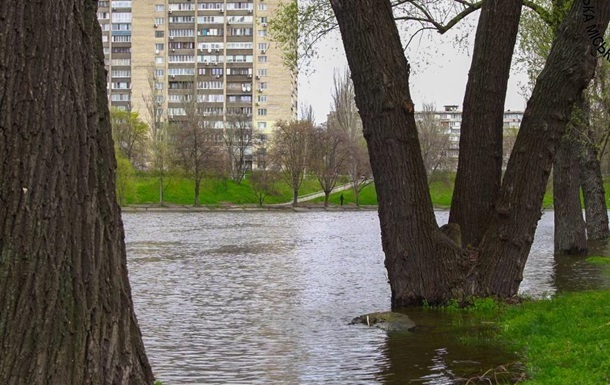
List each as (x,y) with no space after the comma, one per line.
(388,321)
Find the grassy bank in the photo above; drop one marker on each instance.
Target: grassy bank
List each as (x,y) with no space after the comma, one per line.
(565,340)
(178,190)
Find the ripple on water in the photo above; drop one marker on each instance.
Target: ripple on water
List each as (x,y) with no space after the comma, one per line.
(265,298)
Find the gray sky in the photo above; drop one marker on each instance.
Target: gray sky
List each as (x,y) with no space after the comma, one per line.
(439,74)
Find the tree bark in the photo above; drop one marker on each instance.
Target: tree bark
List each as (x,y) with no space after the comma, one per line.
(592,183)
(295,198)
(478,179)
(422,262)
(66,310)
(197,186)
(569,68)
(326,197)
(570,230)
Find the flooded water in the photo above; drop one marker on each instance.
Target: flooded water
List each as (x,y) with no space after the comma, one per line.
(266,297)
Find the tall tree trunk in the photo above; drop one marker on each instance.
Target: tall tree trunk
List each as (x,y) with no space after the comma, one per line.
(569,68)
(326,197)
(66,310)
(478,179)
(422,262)
(592,183)
(570,231)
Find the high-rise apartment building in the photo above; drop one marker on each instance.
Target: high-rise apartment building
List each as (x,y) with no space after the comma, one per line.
(157,51)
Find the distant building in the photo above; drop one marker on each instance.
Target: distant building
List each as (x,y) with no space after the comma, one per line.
(450,119)
(220,48)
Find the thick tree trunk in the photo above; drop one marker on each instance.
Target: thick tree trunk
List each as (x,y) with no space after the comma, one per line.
(295,198)
(570,230)
(422,262)
(326,198)
(66,313)
(592,183)
(568,70)
(480,160)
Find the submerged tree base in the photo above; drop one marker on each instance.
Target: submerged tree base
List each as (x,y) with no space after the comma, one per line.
(388,321)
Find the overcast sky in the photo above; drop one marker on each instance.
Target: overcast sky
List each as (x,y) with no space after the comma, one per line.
(439,74)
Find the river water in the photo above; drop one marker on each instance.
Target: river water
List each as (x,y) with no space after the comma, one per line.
(266,297)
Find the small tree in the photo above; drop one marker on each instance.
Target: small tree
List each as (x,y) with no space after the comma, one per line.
(124,177)
(290,152)
(263,183)
(130,135)
(329,154)
(358,167)
(237,138)
(195,140)
(434,140)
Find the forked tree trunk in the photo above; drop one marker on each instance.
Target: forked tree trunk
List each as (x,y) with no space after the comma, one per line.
(478,179)
(422,263)
(569,68)
(66,313)
(570,231)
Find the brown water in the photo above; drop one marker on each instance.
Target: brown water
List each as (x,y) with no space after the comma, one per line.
(266,297)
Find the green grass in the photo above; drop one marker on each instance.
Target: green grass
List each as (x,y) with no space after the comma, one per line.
(599,260)
(180,190)
(565,340)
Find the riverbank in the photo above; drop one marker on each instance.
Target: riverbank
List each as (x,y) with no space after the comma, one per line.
(246,207)
(564,340)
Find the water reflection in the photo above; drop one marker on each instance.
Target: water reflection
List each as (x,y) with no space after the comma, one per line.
(265,297)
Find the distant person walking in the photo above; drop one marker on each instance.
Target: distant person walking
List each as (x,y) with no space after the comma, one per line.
(341,199)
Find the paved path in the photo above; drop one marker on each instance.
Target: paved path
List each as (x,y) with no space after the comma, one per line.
(309,197)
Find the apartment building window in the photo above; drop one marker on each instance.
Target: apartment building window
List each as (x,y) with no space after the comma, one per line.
(240,32)
(121,17)
(159,73)
(211,32)
(239,111)
(211,98)
(210,85)
(121,62)
(180,71)
(262,125)
(106,50)
(263,46)
(176,111)
(180,85)
(120,85)
(210,46)
(262,7)
(262,112)
(158,86)
(121,38)
(105,27)
(262,19)
(261,72)
(103,15)
(120,97)
(159,46)
(181,33)
(181,45)
(159,111)
(210,58)
(181,59)
(104,38)
(210,19)
(262,32)
(240,45)
(201,71)
(121,73)
(121,26)
(159,20)
(262,85)
(159,7)
(159,60)
(181,7)
(207,6)
(262,59)
(217,71)
(262,98)
(159,33)
(238,71)
(102,4)
(239,58)
(239,6)
(121,49)
(182,19)
(239,19)
(121,4)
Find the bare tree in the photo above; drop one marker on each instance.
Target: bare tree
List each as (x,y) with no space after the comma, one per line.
(434,140)
(290,151)
(130,134)
(345,115)
(329,154)
(263,184)
(159,159)
(195,139)
(237,138)
(358,167)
